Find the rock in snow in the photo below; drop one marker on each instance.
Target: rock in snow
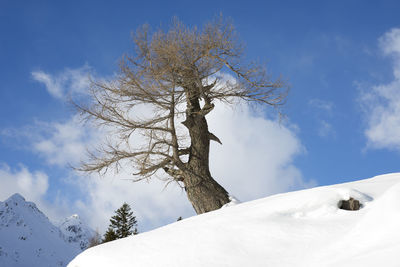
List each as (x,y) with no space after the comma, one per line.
(28,238)
(349,204)
(302,228)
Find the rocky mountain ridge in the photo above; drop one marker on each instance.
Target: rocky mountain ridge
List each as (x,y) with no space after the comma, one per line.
(28,238)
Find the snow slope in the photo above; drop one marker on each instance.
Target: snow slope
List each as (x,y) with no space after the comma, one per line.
(303,228)
(29,239)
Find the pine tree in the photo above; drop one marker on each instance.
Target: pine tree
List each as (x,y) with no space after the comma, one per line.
(122,224)
(110,235)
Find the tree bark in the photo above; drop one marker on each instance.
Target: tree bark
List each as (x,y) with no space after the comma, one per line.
(202,190)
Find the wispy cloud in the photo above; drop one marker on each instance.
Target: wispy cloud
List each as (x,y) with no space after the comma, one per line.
(325,129)
(63,143)
(59,143)
(69,81)
(324,112)
(323,105)
(381,103)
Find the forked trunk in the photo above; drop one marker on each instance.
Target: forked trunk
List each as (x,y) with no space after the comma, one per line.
(202,190)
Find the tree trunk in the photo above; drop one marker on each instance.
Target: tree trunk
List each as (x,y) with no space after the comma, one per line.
(202,190)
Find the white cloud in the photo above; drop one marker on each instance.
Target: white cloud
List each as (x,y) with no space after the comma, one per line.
(153,204)
(69,81)
(31,185)
(52,86)
(59,143)
(381,103)
(390,45)
(64,143)
(255,160)
(35,186)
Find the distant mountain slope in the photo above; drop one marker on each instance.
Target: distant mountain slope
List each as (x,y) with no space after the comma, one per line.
(75,231)
(29,239)
(303,228)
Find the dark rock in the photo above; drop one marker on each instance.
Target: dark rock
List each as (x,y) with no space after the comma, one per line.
(351,204)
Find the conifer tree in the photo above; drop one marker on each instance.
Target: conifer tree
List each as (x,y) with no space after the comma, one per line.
(110,235)
(122,224)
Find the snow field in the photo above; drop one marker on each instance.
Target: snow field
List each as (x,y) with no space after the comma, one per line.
(302,228)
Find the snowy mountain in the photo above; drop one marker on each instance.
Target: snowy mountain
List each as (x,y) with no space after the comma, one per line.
(28,238)
(303,228)
(76,232)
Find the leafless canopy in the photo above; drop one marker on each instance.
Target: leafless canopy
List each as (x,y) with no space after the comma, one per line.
(169,69)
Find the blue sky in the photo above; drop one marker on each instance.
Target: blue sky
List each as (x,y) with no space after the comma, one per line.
(341,58)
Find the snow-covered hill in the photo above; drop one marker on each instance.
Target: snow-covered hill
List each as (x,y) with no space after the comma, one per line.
(303,228)
(28,238)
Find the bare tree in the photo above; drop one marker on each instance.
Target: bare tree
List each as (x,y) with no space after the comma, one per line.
(179,73)
(95,239)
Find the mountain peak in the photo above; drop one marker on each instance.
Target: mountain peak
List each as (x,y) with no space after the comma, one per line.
(28,238)
(16,198)
(75,231)
(74,216)
(18,207)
